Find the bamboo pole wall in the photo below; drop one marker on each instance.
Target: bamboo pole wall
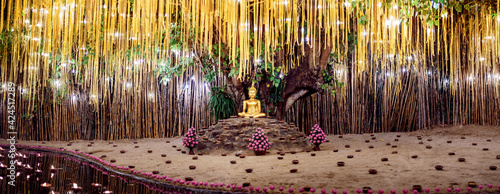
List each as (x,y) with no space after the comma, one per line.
(166,112)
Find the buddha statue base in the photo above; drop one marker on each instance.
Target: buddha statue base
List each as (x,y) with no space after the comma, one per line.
(232,135)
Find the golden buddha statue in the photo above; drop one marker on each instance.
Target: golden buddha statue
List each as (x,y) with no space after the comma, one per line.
(251,106)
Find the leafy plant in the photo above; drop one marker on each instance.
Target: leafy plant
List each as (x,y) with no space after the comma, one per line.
(221,104)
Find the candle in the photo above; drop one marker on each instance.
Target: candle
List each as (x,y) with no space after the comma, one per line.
(96,185)
(76,188)
(52,168)
(45,185)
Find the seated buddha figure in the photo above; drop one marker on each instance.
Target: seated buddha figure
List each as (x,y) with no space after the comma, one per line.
(251,107)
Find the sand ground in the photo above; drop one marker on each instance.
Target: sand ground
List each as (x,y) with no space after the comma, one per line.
(321,171)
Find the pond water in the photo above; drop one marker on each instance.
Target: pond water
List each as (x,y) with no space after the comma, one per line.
(64,172)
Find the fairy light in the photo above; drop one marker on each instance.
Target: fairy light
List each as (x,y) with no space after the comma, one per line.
(57,83)
(128,84)
(347,4)
(27,21)
(192,77)
(138,62)
(151,95)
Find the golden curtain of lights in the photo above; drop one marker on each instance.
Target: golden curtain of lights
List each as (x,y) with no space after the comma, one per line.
(101,49)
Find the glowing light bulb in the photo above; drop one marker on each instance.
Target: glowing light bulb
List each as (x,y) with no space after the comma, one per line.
(482,59)
(395,7)
(347,4)
(27,21)
(192,77)
(128,85)
(151,95)
(138,62)
(57,83)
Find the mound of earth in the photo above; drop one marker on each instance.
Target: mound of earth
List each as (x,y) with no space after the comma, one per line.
(233,135)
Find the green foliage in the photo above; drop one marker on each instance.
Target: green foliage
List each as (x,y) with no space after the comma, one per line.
(329,82)
(7,38)
(27,115)
(221,104)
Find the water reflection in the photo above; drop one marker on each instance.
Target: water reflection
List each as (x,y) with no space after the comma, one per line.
(45,172)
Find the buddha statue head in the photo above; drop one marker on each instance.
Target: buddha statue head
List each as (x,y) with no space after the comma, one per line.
(252,92)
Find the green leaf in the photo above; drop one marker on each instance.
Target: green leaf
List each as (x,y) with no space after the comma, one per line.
(436,22)
(458,7)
